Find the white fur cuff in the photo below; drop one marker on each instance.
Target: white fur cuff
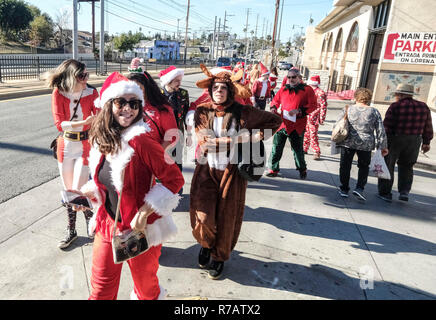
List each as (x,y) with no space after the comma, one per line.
(162,200)
(190,118)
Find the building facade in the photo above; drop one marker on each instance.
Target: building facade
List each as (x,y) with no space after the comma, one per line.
(375,44)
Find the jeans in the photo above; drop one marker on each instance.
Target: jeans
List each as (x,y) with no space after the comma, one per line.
(260,103)
(363,161)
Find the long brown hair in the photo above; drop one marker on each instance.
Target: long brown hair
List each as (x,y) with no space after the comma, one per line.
(64,76)
(105,132)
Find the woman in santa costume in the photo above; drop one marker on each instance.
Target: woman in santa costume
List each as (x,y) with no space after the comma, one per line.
(273,80)
(73,112)
(261,89)
(158,113)
(315,118)
(124,157)
(217,195)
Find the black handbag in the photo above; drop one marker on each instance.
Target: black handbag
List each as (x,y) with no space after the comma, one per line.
(54,143)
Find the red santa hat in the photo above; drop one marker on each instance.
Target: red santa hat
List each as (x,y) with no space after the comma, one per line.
(314,81)
(135,65)
(115,86)
(263,69)
(169,74)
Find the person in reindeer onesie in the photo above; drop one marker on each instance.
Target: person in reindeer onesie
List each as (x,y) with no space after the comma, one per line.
(217,194)
(125,158)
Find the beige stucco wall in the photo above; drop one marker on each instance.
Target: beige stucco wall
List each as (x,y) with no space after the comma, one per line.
(312,48)
(408,16)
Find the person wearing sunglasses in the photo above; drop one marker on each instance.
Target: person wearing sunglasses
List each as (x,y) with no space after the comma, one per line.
(295,100)
(73,112)
(124,160)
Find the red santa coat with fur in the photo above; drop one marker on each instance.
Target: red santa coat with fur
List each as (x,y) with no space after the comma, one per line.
(141,157)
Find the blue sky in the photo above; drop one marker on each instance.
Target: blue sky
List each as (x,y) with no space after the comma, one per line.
(161,15)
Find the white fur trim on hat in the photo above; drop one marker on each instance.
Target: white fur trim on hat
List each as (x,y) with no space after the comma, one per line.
(312,83)
(119,89)
(170,76)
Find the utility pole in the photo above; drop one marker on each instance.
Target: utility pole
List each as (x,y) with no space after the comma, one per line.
(102,72)
(255,32)
(246,37)
(186,32)
(213,41)
(274,34)
(263,35)
(280,24)
(75,44)
(178,35)
(218,38)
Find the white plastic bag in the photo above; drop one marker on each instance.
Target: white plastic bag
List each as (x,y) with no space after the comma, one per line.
(378,167)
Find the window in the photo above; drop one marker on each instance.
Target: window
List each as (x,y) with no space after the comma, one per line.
(353,39)
(330,46)
(381,14)
(338,43)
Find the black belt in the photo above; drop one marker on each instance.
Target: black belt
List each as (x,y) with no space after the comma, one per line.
(76,136)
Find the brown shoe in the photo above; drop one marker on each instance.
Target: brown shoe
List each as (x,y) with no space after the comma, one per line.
(316,156)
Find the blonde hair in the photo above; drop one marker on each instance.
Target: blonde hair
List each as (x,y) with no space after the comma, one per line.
(64,76)
(363,95)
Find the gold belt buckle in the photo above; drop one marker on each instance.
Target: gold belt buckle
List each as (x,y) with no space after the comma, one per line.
(73,139)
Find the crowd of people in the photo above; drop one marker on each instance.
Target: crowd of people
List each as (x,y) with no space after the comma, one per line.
(122,148)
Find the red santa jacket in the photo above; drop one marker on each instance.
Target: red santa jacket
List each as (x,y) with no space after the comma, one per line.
(304,100)
(273,81)
(63,106)
(257,89)
(142,158)
(160,123)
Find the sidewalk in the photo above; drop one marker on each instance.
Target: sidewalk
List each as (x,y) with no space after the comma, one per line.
(24,88)
(299,240)
(425,161)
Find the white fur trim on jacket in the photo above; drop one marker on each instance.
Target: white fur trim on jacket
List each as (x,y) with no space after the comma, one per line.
(162,200)
(161,230)
(190,118)
(118,89)
(170,76)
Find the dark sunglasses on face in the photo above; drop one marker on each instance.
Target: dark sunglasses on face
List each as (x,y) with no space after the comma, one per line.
(83,76)
(292,77)
(121,102)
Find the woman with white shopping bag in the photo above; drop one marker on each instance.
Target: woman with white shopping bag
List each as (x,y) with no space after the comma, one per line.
(365,132)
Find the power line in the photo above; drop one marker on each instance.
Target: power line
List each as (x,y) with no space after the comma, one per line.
(139,14)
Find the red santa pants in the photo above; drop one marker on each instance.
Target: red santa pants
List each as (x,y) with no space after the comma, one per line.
(105,278)
(311,137)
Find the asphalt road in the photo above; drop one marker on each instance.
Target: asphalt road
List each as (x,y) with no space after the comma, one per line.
(26,130)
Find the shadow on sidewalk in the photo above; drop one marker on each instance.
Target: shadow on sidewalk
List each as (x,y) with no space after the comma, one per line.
(316,280)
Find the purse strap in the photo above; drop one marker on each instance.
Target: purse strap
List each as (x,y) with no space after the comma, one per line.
(346,112)
(160,133)
(117,214)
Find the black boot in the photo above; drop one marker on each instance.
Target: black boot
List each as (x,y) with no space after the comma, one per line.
(71,233)
(203,257)
(88,215)
(216,269)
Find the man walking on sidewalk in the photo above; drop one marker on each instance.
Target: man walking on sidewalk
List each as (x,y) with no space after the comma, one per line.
(297,100)
(408,124)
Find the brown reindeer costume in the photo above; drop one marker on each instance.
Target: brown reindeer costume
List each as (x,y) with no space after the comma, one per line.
(217,197)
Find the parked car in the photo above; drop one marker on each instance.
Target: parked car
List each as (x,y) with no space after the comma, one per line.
(223,61)
(285,66)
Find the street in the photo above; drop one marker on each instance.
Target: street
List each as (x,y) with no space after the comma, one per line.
(299,239)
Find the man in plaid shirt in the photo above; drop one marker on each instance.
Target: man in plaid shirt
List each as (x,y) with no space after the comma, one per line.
(408,124)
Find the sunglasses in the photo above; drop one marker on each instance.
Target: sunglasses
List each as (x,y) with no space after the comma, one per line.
(83,76)
(292,77)
(121,102)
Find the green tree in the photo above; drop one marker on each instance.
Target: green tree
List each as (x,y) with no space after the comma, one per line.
(126,41)
(15,16)
(41,31)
